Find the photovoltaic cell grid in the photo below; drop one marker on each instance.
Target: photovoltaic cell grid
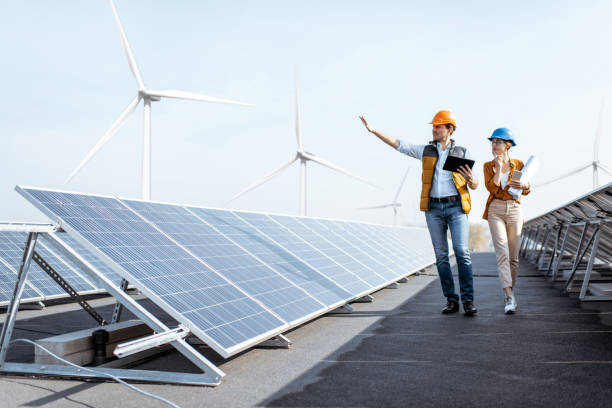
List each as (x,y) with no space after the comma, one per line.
(387,256)
(39,285)
(337,279)
(359,248)
(283,262)
(235,278)
(213,308)
(326,258)
(414,243)
(261,282)
(90,258)
(366,277)
(8,277)
(365,265)
(404,258)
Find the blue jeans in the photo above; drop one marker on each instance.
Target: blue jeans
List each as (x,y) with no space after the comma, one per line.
(441,217)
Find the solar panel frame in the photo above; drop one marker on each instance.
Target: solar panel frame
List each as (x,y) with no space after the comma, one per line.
(121,271)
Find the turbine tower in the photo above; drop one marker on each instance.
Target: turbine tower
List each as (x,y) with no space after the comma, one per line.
(595,164)
(146,96)
(395,205)
(304,157)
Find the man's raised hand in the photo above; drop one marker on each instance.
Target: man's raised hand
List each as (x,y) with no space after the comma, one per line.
(365,123)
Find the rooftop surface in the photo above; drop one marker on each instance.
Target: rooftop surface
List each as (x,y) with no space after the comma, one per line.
(395,352)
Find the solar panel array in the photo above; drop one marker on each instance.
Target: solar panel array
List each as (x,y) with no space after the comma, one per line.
(594,208)
(236,278)
(39,285)
(564,238)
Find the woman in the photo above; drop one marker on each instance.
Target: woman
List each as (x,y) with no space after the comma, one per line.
(503,212)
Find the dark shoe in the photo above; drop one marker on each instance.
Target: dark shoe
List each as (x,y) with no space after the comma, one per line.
(452,306)
(469,309)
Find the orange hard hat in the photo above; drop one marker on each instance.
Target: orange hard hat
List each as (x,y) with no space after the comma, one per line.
(444,117)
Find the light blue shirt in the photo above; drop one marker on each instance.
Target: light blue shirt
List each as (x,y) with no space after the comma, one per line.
(442,184)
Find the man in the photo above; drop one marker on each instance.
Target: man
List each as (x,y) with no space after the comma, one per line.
(446,202)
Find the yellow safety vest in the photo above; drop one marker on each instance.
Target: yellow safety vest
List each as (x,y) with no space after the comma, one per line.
(430,158)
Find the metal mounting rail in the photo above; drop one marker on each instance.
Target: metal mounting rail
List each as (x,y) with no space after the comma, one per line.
(68,288)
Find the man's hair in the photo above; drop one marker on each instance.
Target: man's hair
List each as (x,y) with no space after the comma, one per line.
(450,127)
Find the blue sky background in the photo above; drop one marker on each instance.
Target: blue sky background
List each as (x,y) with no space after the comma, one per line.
(539,68)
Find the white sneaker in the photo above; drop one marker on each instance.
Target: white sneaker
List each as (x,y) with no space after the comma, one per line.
(510,305)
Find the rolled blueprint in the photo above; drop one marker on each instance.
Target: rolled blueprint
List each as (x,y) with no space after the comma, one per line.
(528,171)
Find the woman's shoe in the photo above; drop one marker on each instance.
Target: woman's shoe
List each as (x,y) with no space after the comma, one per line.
(510,305)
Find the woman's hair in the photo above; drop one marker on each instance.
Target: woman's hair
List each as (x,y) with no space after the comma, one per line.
(508,144)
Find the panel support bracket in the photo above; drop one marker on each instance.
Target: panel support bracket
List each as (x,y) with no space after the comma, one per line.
(364,299)
(346,309)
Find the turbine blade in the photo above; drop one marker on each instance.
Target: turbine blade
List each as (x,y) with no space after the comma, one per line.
(107,136)
(605,169)
(263,180)
(128,50)
(571,173)
(376,207)
(194,97)
(332,166)
(598,133)
(298,124)
(401,185)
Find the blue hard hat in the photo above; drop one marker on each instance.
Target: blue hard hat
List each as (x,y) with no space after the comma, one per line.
(503,134)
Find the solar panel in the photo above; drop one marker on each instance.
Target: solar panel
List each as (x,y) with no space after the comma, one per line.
(360,279)
(383,253)
(8,277)
(415,242)
(365,265)
(88,256)
(336,274)
(405,258)
(214,309)
(12,244)
(356,247)
(273,255)
(274,291)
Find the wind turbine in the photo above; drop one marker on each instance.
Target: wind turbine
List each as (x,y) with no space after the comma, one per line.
(303,157)
(595,164)
(395,205)
(147,96)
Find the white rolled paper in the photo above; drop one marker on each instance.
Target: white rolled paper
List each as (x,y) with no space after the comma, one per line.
(528,171)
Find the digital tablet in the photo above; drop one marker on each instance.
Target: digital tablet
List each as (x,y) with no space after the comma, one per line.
(453,163)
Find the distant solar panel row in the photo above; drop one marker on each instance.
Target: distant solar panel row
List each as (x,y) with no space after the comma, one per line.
(235,278)
(39,285)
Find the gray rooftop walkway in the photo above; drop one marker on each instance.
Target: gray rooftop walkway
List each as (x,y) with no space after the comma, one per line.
(398,351)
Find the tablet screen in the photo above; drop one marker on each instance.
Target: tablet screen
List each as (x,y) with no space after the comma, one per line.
(453,163)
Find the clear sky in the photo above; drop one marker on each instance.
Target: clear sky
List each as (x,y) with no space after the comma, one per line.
(540,68)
